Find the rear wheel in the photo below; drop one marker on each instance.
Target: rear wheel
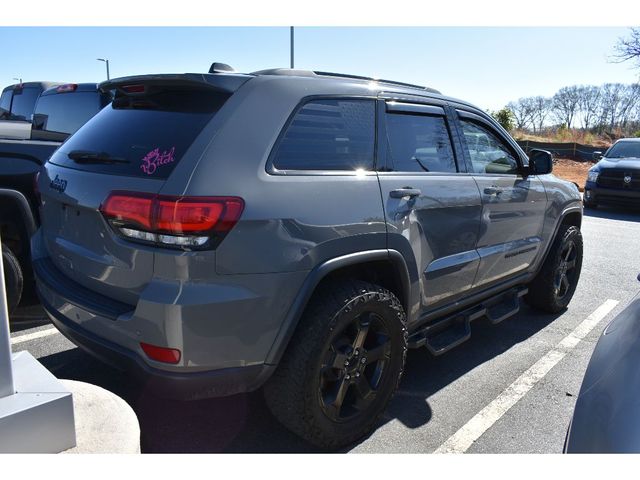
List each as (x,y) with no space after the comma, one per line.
(342,365)
(552,289)
(13,278)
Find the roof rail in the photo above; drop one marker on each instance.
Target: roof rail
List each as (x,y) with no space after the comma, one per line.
(379,80)
(315,73)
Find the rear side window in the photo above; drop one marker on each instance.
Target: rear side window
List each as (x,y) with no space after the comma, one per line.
(5,105)
(65,113)
(24,101)
(329,134)
(142,136)
(419,143)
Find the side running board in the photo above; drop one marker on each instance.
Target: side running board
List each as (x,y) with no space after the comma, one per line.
(448,332)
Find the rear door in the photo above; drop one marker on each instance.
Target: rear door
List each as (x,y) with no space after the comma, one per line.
(432,207)
(140,139)
(513,204)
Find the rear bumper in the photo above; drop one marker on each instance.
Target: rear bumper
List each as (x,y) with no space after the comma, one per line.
(615,196)
(224,329)
(184,386)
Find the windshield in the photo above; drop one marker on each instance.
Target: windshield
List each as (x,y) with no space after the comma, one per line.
(624,150)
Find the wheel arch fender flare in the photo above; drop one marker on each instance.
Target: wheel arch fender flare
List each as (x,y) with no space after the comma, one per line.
(320,272)
(568,215)
(20,202)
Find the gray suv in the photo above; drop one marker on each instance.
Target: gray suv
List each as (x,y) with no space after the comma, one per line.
(297,231)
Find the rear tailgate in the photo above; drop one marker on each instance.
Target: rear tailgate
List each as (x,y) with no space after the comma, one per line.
(131,146)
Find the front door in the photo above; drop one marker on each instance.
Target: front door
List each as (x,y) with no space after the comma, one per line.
(513,203)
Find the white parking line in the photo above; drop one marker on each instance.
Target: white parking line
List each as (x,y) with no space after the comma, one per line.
(32,336)
(460,441)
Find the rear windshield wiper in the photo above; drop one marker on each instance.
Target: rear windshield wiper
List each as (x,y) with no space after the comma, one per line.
(81,156)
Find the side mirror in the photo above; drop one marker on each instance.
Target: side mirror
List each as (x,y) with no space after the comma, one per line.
(597,156)
(540,162)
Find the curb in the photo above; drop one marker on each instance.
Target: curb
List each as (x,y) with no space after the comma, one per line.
(104,422)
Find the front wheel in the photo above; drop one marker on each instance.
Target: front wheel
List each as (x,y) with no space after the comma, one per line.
(552,289)
(342,365)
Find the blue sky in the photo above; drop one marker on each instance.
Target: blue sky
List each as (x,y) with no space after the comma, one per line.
(487,66)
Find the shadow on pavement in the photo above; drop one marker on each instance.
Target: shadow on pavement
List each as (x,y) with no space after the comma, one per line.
(627,214)
(242,423)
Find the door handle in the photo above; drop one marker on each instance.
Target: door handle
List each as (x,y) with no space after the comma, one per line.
(405,192)
(493,191)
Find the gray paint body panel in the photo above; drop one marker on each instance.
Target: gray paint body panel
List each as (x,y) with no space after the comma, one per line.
(238,305)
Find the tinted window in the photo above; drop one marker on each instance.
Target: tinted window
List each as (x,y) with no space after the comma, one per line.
(65,112)
(5,105)
(329,135)
(488,153)
(148,135)
(419,143)
(23,102)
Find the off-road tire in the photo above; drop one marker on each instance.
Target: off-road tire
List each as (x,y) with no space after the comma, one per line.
(543,293)
(294,393)
(13,278)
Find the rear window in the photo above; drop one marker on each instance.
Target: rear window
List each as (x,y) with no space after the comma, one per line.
(24,100)
(329,135)
(141,136)
(65,113)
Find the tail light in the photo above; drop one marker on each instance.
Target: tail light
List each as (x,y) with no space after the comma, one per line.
(180,222)
(69,87)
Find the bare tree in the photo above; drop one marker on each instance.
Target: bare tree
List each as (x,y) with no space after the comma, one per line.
(588,105)
(612,104)
(628,48)
(630,98)
(523,111)
(541,109)
(565,104)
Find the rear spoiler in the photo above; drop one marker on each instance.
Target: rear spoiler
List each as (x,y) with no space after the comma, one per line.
(220,82)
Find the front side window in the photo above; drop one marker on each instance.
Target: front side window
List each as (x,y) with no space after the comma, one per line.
(418,143)
(329,134)
(488,153)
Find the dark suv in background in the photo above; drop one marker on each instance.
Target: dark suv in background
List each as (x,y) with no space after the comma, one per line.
(297,230)
(615,179)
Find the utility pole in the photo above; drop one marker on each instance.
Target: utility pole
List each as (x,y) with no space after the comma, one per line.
(291,47)
(105,60)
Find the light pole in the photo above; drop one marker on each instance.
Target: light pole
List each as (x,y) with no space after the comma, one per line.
(19,79)
(105,60)
(291,47)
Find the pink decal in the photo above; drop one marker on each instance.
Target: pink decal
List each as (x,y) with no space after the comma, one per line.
(155,159)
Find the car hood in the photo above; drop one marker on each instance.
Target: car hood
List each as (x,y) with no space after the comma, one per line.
(622,163)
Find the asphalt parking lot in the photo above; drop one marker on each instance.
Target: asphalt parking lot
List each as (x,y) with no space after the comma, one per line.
(510,389)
